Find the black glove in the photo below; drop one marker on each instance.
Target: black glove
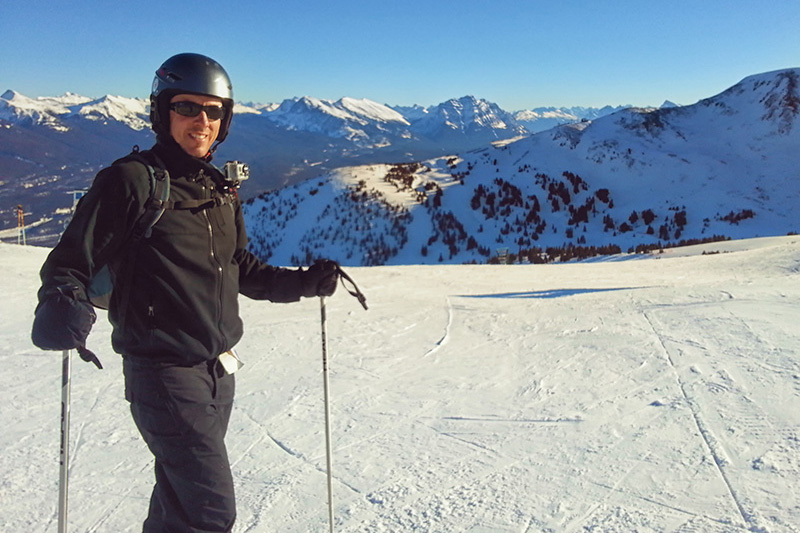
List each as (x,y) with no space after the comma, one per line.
(321,278)
(61,321)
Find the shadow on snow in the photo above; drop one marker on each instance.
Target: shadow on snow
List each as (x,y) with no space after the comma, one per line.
(552,293)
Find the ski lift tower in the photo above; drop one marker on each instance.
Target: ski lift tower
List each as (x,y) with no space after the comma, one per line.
(21,238)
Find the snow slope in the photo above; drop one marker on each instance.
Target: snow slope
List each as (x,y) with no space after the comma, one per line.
(726,166)
(658,394)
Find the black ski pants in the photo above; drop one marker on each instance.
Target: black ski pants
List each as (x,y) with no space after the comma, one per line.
(182,414)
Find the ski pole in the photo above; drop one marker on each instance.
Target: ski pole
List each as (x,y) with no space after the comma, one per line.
(64,459)
(326,393)
(356,292)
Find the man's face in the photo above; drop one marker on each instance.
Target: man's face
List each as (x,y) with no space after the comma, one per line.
(194,134)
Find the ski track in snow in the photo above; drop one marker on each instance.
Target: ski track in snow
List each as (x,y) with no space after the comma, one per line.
(705,433)
(736,403)
(446,337)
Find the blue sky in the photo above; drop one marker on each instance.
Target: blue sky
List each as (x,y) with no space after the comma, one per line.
(520,54)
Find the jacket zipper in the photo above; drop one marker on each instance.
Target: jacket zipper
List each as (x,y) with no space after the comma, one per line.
(220,278)
(151,323)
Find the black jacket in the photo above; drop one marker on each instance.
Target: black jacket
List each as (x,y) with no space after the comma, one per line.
(181,284)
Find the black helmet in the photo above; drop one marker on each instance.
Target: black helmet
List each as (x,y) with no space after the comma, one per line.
(192,74)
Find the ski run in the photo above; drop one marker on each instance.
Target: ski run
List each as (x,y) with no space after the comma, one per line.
(639,393)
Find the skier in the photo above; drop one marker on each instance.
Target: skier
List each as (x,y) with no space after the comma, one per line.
(174,307)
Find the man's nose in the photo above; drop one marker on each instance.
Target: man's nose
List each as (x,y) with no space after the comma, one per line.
(202,117)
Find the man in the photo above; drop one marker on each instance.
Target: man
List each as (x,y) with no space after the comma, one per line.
(174,307)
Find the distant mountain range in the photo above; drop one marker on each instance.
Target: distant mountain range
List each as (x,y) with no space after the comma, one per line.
(367,183)
(727,166)
(52,145)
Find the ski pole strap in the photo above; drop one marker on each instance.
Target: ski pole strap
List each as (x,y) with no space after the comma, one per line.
(356,292)
(89,356)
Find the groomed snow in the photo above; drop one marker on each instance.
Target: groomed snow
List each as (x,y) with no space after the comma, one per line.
(655,395)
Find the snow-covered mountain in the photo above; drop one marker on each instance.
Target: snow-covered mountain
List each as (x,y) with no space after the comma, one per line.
(545,118)
(53,145)
(58,112)
(468,115)
(359,120)
(726,166)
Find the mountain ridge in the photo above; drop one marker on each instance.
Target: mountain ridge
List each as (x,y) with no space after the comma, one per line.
(54,145)
(747,132)
(15,106)
(724,167)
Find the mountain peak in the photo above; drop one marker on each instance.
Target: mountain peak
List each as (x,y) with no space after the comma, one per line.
(129,111)
(372,110)
(776,93)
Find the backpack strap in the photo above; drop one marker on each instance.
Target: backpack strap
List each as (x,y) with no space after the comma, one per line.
(158,200)
(149,214)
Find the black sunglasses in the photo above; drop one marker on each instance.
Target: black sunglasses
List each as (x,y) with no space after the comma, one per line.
(191,109)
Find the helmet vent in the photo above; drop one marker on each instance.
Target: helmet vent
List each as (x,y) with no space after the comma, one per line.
(168,76)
